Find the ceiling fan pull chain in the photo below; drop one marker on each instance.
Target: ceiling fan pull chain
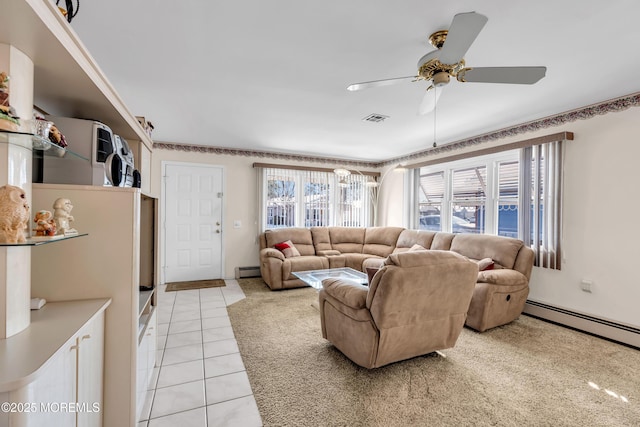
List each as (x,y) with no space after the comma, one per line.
(435,109)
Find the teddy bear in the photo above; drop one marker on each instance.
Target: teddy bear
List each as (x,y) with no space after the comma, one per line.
(57,137)
(14,214)
(62,215)
(45,224)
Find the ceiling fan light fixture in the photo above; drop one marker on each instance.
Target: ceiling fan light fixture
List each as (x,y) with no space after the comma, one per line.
(342,172)
(440,79)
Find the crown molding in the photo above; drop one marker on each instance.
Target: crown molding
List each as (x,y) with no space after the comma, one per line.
(261,154)
(583,113)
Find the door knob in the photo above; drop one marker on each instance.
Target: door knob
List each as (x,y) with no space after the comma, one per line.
(217,231)
(217,222)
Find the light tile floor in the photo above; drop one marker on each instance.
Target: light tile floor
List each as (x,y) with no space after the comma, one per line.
(200,379)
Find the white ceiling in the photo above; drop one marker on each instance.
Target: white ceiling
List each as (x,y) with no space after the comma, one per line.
(272,75)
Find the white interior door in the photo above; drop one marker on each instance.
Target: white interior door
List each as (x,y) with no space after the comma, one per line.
(193,222)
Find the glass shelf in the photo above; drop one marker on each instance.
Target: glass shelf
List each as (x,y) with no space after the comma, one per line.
(35,142)
(37,241)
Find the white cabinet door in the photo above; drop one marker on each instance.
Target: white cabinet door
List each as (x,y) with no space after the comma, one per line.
(90,373)
(50,395)
(68,393)
(146,365)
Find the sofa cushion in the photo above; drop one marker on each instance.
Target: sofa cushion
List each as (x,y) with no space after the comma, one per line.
(300,237)
(502,277)
(321,239)
(356,261)
(408,238)
(302,263)
(442,242)
(350,294)
(287,248)
(380,241)
(375,262)
(347,239)
(416,247)
(502,250)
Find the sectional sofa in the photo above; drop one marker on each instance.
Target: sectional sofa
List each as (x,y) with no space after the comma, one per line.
(500,292)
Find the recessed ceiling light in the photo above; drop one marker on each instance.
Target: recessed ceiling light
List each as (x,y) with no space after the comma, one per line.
(375,118)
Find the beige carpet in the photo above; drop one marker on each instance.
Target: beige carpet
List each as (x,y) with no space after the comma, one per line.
(194,284)
(528,373)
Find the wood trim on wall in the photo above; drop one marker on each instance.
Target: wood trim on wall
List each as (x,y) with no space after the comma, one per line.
(560,136)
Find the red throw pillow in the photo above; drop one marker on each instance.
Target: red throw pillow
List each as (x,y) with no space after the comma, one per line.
(287,249)
(485,264)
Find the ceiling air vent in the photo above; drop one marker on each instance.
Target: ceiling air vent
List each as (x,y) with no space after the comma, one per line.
(375,118)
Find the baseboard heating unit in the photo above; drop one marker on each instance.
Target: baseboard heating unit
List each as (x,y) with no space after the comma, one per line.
(242,272)
(608,329)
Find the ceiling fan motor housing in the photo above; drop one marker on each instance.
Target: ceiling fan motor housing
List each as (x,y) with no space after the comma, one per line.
(441,78)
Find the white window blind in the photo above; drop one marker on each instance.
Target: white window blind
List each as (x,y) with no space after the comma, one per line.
(317,199)
(309,198)
(281,199)
(542,192)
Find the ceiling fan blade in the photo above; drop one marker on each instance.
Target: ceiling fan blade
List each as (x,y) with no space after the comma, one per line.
(464,29)
(513,75)
(378,83)
(430,100)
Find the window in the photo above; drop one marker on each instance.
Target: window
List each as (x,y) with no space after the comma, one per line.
(309,198)
(430,198)
(468,198)
(508,185)
(514,193)
(281,200)
(459,197)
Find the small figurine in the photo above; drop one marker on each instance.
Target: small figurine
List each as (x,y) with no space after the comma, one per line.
(45,224)
(14,214)
(62,215)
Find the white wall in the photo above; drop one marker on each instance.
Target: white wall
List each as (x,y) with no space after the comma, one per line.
(601,224)
(600,231)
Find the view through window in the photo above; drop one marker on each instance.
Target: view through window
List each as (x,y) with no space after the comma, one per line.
(308,198)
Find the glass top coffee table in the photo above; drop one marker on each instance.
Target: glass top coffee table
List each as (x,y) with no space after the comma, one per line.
(314,278)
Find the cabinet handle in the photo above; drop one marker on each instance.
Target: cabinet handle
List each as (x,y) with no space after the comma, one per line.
(86,337)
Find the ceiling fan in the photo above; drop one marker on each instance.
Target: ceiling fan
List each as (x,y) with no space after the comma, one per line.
(447,61)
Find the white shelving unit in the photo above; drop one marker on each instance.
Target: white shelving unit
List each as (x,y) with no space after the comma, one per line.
(106,264)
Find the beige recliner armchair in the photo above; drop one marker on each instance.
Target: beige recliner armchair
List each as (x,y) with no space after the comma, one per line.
(416,304)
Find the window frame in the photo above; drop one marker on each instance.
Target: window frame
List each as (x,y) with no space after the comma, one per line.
(491,200)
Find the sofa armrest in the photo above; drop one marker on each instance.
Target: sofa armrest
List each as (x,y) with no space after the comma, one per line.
(271,252)
(348,293)
(504,277)
(329,252)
